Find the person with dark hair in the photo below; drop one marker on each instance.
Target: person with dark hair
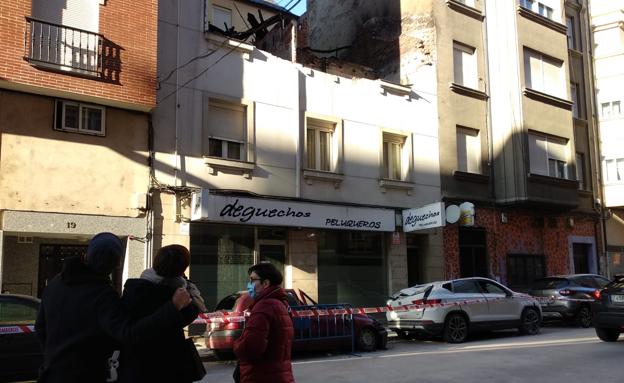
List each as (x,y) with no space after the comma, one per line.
(81,318)
(263,350)
(166,357)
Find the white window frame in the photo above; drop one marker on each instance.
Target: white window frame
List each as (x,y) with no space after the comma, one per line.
(610,109)
(542,8)
(571,32)
(580,170)
(574,97)
(318,126)
(537,81)
(465,71)
(611,165)
(472,162)
(215,7)
(248,129)
(224,148)
(81,106)
(400,141)
(548,157)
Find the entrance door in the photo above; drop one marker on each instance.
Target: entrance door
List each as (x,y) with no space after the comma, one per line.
(51,259)
(581,261)
(274,253)
(414,267)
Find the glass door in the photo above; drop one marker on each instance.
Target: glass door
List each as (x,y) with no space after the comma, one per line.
(273,252)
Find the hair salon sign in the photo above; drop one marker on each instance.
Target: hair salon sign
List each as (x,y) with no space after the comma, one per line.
(425,217)
(260,211)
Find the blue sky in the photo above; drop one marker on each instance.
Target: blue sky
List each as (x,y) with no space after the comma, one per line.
(298,10)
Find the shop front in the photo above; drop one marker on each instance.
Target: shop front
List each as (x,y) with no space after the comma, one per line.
(335,253)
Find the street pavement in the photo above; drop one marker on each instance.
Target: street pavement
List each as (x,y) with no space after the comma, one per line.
(559,354)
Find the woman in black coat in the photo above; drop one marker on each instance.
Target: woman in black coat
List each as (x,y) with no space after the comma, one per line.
(166,357)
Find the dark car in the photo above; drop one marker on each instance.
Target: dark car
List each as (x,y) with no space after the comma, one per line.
(20,352)
(608,310)
(319,333)
(568,297)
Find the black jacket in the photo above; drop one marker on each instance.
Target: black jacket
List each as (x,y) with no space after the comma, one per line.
(164,358)
(81,318)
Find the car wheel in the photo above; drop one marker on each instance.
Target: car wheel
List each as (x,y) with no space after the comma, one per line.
(366,339)
(455,328)
(608,334)
(584,317)
(529,321)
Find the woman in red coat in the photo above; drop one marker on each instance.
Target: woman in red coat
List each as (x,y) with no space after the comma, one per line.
(263,350)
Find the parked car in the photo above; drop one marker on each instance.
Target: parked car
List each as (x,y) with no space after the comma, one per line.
(558,292)
(20,352)
(311,334)
(461,306)
(608,310)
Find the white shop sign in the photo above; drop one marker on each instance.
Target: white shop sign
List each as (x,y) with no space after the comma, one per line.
(259,211)
(425,217)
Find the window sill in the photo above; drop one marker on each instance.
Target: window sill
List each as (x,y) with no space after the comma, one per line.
(471,177)
(545,21)
(585,192)
(575,52)
(385,184)
(562,182)
(465,9)
(401,90)
(548,99)
(215,164)
(466,91)
(318,175)
(228,43)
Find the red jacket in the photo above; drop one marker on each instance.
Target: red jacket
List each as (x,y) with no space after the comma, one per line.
(263,350)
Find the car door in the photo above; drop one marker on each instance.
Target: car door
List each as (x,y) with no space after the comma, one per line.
(467,290)
(502,305)
(20,352)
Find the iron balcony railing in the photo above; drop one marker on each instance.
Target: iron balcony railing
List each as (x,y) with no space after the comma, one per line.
(63,48)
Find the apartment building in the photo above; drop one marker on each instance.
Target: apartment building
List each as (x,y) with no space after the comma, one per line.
(77,83)
(517,140)
(607,20)
(260,158)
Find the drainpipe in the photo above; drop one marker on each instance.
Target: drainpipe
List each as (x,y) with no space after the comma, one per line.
(177,100)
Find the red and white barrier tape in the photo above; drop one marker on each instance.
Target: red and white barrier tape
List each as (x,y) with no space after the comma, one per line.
(6,330)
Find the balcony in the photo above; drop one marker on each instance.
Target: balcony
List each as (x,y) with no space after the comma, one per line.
(71,50)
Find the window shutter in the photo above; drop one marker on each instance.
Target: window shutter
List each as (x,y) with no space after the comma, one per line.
(552,77)
(82,14)
(226,121)
(458,66)
(538,154)
(557,149)
(462,152)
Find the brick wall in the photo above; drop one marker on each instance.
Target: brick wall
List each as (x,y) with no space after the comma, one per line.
(520,235)
(130,25)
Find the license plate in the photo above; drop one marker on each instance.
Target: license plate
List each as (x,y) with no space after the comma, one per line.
(618,298)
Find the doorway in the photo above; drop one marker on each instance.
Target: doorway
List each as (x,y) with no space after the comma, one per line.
(51,259)
(272,252)
(581,260)
(414,267)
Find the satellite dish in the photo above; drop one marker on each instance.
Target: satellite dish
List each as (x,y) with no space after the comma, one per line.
(452,213)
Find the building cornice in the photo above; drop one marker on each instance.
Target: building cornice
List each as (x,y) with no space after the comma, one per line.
(545,21)
(465,9)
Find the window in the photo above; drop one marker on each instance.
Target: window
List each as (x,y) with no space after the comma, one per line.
(469,3)
(571,32)
(226,130)
(81,118)
(575,99)
(468,150)
(610,109)
(221,18)
(15,313)
(472,253)
(466,287)
(319,145)
(523,269)
(544,74)
(491,288)
(465,65)
(614,170)
(393,156)
(580,170)
(548,156)
(539,7)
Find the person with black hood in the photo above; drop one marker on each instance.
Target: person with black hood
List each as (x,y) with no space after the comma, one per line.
(81,317)
(164,358)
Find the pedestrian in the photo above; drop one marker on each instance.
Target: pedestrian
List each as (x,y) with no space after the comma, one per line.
(263,350)
(165,357)
(81,317)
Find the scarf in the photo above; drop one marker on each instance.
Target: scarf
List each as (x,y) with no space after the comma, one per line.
(177,282)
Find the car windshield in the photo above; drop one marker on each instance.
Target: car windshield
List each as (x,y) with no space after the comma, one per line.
(616,284)
(549,283)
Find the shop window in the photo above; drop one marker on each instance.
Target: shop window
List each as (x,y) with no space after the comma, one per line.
(351,268)
(548,155)
(472,253)
(320,145)
(544,74)
(79,118)
(468,150)
(523,269)
(465,65)
(226,130)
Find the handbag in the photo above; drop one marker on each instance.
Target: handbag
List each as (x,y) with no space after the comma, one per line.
(193,366)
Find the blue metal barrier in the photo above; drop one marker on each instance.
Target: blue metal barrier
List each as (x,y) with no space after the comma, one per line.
(326,327)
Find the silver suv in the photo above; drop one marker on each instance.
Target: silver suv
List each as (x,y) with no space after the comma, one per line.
(455,308)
